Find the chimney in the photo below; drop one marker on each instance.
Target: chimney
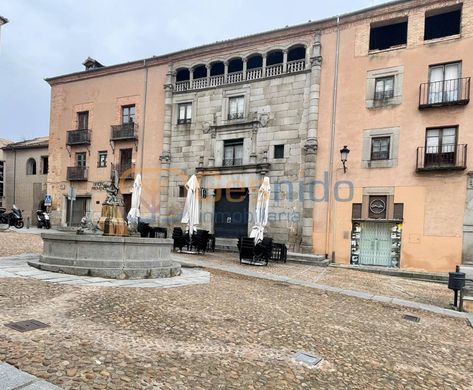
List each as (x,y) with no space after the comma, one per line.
(91,64)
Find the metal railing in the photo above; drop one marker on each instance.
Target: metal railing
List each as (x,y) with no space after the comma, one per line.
(125,171)
(78,137)
(444,93)
(232,162)
(445,157)
(77,173)
(235,115)
(123,131)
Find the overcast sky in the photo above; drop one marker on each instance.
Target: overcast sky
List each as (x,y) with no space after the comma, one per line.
(53,37)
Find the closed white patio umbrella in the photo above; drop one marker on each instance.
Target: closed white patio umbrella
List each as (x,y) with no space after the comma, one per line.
(191,213)
(262,209)
(134,212)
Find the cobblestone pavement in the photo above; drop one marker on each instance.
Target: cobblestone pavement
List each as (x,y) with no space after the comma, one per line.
(235,332)
(424,292)
(14,243)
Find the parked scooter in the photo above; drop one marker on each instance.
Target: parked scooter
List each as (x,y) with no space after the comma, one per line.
(13,218)
(42,219)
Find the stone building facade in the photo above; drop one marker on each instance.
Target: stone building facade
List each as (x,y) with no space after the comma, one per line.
(251,113)
(390,82)
(26,166)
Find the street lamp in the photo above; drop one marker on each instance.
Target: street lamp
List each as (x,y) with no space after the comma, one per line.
(344,156)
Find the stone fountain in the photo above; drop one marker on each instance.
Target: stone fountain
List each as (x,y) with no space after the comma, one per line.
(108,251)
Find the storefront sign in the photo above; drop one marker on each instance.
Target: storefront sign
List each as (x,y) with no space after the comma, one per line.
(377,206)
(98,186)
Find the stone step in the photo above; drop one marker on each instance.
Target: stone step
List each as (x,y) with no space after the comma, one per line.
(468,303)
(226,244)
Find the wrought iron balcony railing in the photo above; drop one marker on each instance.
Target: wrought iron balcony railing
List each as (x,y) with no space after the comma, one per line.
(444,93)
(125,131)
(77,173)
(232,162)
(78,137)
(445,157)
(235,115)
(125,171)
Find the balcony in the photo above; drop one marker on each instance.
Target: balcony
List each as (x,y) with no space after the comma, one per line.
(233,162)
(78,137)
(240,76)
(125,171)
(451,157)
(125,131)
(77,173)
(444,93)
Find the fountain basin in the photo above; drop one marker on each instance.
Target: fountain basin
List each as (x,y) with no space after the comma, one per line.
(107,256)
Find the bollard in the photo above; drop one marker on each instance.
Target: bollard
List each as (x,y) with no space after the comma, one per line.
(27,222)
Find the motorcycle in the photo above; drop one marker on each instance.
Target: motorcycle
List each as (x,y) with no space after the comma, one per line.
(13,218)
(42,219)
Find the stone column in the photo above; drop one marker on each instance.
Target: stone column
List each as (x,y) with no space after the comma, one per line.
(263,72)
(284,61)
(244,68)
(208,66)
(213,134)
(191,77)
(165,157)
(225,71)
(254,133)
(310,148)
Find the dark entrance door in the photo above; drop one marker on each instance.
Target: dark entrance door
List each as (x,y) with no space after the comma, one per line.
(231,212)
(79,210)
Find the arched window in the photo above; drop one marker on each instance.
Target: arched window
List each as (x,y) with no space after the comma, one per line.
(31,166)
(182,75)
(217,68)
(274,58)
(200,72)
(296,53)
(235,65)
(255,61)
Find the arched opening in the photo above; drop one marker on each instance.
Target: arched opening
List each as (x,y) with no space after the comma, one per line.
(254,61)
(274,58)
(296,53)
(183,75)
(296,59)
(31,166)
(217,68)
(235,65)
(200,72)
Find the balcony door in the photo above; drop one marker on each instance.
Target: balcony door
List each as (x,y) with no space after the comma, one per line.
(444,83)
(233,152)
(440,146)
(81,160)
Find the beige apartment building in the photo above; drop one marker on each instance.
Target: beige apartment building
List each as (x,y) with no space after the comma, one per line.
(390,83)
(25,175)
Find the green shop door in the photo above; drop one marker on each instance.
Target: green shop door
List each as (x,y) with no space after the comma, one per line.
(375,244)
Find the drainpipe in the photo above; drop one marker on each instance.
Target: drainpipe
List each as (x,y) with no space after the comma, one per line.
(329,247)
(14,177)
(145,97)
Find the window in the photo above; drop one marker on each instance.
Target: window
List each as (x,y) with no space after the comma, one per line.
(128,114)
(44,165)
(380,148)
(384,88)
(444,83)
(83,120)
(278,151)
(236,107)
(31,166)
(182,192)
(440,146)
(233,152)
(398,211)
(385,36)
(81,159)
(102,159)
(185,113)
(442,24)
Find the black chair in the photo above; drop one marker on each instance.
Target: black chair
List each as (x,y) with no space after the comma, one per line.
(179,238)
(158,233)
(263,250)
(143,229)
(246,247)
(279,252)
(211,243)
(200,240)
